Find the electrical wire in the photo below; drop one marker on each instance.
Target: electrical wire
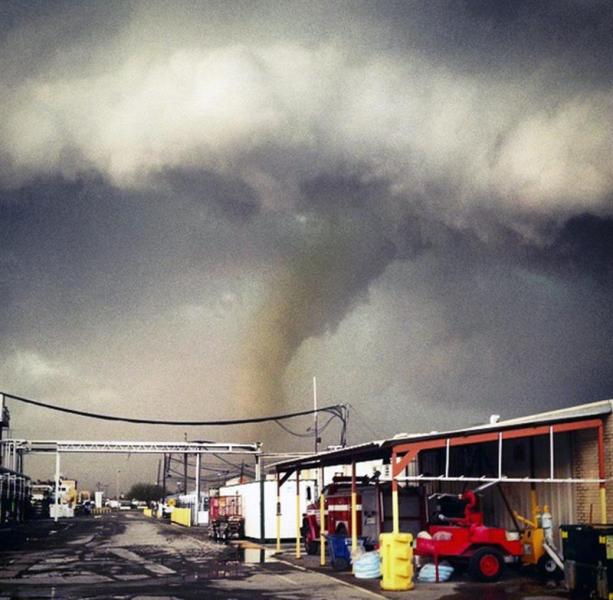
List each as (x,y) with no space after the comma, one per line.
(221,423)
(236,466)
(202,467)
(365,421)
(310,431)
(245,468)
(225,474)
(294,433)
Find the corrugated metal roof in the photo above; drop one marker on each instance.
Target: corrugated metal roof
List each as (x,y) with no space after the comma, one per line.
(582,411)
(381,449)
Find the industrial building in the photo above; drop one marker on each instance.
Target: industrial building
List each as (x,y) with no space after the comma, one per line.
(562,459)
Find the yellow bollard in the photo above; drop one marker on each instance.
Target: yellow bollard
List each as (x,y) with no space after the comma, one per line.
(354,512)
(322,526)
(396,561)
(297,514)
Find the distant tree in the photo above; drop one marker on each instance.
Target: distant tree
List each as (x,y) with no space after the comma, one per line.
(145,491)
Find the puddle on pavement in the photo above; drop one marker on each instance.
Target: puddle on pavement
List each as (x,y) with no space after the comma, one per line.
(254,556)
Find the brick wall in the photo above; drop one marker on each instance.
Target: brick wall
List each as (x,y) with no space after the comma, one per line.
(585,464)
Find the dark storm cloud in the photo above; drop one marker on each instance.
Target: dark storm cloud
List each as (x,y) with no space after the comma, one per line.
(232,198)
(584,247)
(213,201)
(565,37)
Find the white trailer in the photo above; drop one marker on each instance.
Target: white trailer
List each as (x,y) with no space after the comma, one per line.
(251,500)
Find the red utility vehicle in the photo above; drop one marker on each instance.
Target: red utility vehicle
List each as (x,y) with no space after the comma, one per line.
(467,540)
(226,519)
(373,514)
(338,511)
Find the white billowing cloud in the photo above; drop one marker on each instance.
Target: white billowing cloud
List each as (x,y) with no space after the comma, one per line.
(562,154)
(279,113)
(29,372)
(28,364)
(194,109)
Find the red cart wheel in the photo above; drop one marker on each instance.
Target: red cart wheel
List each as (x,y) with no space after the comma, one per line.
(486,564)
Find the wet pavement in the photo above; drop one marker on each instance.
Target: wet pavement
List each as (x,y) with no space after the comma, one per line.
(513,585)
(130,556)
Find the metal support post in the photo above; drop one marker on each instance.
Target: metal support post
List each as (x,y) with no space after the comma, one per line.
(322,520)
(315,419)
(198,492)
(533,496)
(278,515)
(354,511)
(164,480)
(446,458)
(297,513)
(602,474)
(551,454)
(261,481)
(500,456)
(57,485)
(395,515)
(258,467)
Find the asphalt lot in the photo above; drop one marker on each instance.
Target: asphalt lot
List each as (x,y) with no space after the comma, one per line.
(130,556)
(126,555)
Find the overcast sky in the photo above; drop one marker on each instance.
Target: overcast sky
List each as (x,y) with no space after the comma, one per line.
(205,204)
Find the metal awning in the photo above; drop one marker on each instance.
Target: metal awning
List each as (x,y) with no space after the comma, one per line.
(383,449)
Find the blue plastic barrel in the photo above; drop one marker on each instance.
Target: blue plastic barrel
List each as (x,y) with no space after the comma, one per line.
(339,548)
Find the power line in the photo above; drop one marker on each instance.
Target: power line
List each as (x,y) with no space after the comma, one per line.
(221,458)
(246,468)
(365,421)
(294,433)
(309,432)
(81,413)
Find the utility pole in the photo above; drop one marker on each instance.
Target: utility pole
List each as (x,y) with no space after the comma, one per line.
(57,485)
(157,481)
(117,484)
(316,423)
(198,465)
(164,480)
(185,473)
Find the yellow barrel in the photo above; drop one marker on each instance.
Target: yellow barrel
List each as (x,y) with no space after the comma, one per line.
(396,561)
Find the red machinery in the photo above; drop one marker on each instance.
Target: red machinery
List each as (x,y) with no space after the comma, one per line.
(468,540)
(374,511)
(225,518)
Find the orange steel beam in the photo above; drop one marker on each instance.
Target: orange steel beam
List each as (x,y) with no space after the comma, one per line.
(601,456)
(412,449)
